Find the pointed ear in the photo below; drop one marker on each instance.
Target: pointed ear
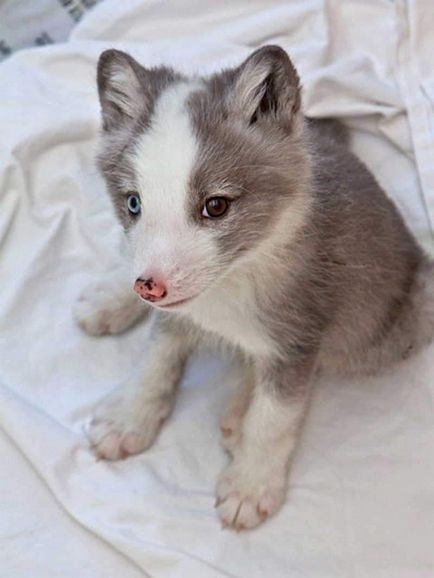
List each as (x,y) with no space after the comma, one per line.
(266,85)
(121,89)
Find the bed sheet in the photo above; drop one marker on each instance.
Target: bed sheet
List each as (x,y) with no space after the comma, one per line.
(361,497)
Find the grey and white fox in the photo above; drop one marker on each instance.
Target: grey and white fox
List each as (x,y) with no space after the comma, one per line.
(251,226)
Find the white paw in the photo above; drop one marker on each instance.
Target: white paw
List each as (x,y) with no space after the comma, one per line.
(127,423)
(247,497)
(104,308)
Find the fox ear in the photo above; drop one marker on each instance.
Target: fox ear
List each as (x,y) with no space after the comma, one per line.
(121,87)
(266,85)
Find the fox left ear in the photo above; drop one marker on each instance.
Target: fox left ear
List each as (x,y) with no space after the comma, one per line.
(121,87)
(266,85)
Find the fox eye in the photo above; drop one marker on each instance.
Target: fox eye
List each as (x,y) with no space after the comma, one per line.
(215,207)
(134,204)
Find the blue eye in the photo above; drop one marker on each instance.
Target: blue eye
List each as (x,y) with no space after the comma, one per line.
(134,204)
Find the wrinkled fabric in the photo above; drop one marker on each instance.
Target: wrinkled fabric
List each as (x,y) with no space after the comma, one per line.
(361,496)
(27,23)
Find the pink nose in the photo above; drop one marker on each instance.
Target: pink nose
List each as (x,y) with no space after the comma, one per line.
(150,289)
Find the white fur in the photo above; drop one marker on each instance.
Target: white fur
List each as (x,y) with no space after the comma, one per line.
(229,311)
(164,241)
(129,419)
(109,305)
(164,157)
(253,486)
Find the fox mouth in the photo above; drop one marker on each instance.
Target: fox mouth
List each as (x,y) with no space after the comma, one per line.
(173,304)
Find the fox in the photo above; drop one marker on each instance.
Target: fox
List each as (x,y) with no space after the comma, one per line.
(251,227)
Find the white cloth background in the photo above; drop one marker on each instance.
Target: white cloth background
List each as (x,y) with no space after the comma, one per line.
(361,498)
(28,23)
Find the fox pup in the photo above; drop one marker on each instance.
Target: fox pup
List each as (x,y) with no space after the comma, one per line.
(251,226)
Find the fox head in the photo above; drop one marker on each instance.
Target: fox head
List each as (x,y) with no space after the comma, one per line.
(204,172)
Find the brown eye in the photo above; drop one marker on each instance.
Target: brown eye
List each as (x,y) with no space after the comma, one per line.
(215,207)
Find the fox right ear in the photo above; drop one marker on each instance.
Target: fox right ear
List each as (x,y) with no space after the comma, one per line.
(121,87)
(266,86)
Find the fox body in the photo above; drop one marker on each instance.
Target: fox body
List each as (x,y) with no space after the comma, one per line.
(253,227)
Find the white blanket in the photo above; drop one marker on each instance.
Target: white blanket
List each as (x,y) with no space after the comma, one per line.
(361,498)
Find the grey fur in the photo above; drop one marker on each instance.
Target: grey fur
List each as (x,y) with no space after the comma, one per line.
(356,268)
(351,291)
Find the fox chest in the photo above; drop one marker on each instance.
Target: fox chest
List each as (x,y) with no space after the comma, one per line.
(235,320)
